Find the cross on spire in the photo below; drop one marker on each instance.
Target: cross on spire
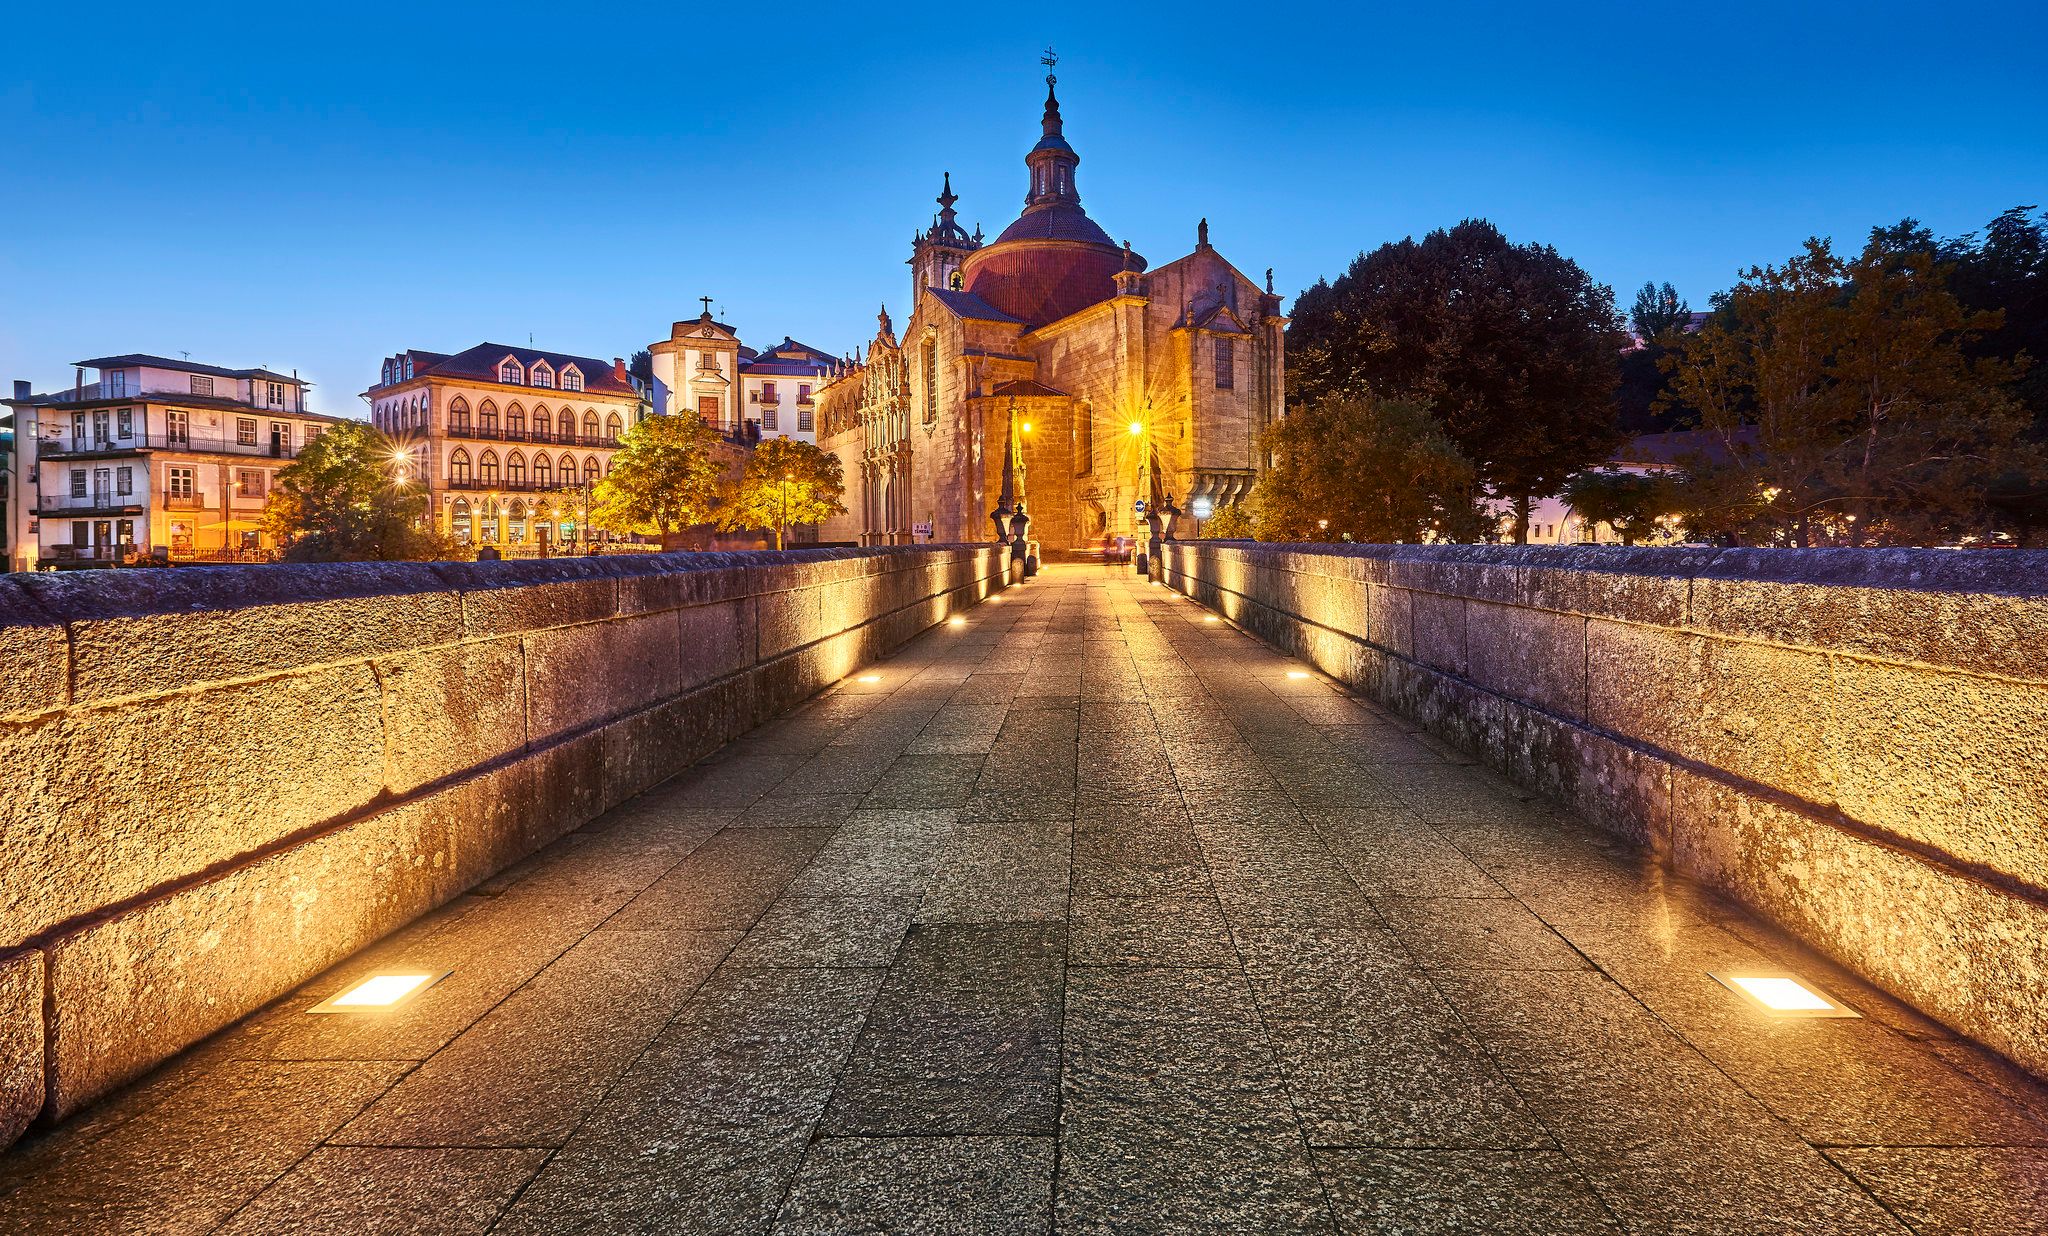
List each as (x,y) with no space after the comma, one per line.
(1050,59)
(707,305)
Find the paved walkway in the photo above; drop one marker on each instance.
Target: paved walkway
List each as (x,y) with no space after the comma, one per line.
(1090,914)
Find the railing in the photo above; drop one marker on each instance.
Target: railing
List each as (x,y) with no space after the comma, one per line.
(479,434)
(477,484)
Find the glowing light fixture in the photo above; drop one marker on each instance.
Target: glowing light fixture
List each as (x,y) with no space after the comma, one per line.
(1137,429)
(870,678)
(1210,618)
(380,992)
(956,621)
(1782,996)
(1297,673)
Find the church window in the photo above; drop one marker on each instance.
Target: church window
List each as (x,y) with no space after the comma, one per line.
(931,382)
(1226,376)
(1084,441)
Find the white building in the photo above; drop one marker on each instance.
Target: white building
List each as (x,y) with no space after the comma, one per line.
(702,367)
(154,454)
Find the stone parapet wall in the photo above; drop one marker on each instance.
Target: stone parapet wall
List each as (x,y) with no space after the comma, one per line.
(1852,742)
(220,781)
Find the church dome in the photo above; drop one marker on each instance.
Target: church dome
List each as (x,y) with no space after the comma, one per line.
(1054,260)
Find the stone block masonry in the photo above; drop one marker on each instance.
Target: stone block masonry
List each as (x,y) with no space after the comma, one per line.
(1852,742)
(223,780)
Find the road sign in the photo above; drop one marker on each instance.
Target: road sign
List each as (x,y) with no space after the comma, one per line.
(1139,506)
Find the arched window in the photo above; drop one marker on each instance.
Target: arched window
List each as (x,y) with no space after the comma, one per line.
(591,472)
(568,425)
(494,530)
(458,466)
(518,522)
(515,470)
(613,426)
(487,418)
(543,472)
(931,381)
(515,422)
(487,469)
(542,375)
(458,415)
(590,426)
(459,520)
(572,379)
(542,422)
(508,372)
(568,470)
(609,464)
(387,373)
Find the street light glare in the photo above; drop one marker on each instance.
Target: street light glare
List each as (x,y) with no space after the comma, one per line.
(1137,428)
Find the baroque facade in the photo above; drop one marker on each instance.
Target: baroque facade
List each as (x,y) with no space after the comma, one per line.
(1123,381)
(747,395)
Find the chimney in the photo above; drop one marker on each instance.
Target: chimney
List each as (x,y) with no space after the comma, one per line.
(22,390)
(619,369)
(78,384)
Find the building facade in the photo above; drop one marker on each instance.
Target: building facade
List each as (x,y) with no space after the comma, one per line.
(507,441)
(153,455)
(747,395)
(1123,381)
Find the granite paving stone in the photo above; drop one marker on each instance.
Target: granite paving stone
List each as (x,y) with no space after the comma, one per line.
(1083,916)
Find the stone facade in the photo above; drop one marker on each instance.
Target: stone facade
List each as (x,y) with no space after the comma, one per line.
(506,441)
(1137,382)
(1852,742)
(226,780)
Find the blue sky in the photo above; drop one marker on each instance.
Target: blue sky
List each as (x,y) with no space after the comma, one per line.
(314,187)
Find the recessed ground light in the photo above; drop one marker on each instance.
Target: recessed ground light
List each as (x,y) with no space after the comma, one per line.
(1210,618)
(1782,996)
(1297,673)
(379,992)
(870,678)
(956,621)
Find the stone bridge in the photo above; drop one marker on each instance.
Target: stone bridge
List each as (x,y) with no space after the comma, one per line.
(868,892)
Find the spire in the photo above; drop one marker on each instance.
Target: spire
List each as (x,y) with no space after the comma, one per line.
(1052,161)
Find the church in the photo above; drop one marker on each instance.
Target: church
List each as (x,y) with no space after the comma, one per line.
(1100,379)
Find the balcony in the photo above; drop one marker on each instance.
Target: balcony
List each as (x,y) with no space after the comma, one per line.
(494,434)
(68,447)
(95,506)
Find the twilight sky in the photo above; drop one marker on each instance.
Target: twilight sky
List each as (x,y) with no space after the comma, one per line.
(313,187)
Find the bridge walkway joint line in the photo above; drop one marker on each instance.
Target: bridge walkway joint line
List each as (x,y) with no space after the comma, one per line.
(1091,914)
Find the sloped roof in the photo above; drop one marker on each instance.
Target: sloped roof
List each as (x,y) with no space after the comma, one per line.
(184,366)
(968,305)
(1025,386)
(480,364)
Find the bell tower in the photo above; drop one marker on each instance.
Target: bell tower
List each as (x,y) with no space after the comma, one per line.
(936,253)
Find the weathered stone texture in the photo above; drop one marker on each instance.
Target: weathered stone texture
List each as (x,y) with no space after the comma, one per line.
(1854,742)
(21,1042)
(265,770)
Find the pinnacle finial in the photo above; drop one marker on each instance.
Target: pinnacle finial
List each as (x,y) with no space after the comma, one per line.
(946,196)
(1202,234)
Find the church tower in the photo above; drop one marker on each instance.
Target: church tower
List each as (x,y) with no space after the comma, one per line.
(935,256)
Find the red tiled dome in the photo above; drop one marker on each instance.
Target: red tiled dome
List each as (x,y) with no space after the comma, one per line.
(1043,280)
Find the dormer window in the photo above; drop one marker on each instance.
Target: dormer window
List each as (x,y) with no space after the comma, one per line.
(572,379)
(510,373)
(408,368)
(387,373)
(542,375)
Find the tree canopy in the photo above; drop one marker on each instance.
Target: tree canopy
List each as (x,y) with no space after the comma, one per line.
(1513,348)
(664,478)
(786,482)
(1845,405)
(1658,311)
(1364,469)
(346,499)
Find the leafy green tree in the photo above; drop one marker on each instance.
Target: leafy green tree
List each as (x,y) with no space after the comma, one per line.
(346,499)
(1375,470)
(785,482)
(664,478)
(1847,407)
(1658,311)
(1628,502)
(1230,523)
(1513,348)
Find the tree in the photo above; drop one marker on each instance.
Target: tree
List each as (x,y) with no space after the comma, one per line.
(1658,311)
(642,367)
(1364,469)
(1628,502)
(785,482)
(346,499)
(1230,523)
(1846,407)
(1512,347)
(664,478)
(2007,270)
